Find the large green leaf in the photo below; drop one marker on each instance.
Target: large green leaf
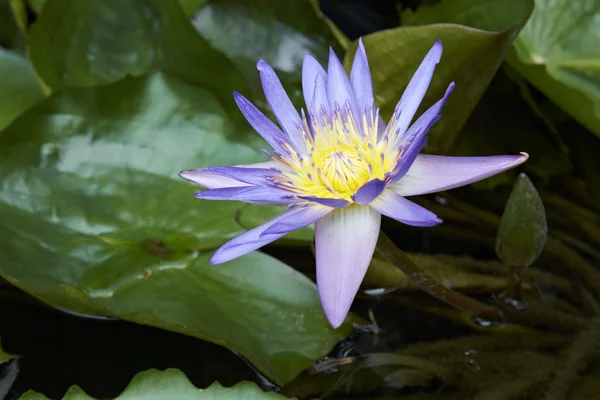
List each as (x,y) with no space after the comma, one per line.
(558,52)
(471,58)
(171,384)
(95,219)
(281,32)
(87,43)
(18,92)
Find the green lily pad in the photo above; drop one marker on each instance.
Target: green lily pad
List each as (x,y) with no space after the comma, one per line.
(471,58)
(19,92)
(281,32)
(83,43)
(171,384)
(95,219)
(557,51)
(4,356)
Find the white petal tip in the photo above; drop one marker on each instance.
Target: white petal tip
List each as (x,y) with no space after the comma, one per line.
(188,174)
(525,157)
(332,53)
(261,65)
(336,322)
(335,317)
(218,258)
(436,50)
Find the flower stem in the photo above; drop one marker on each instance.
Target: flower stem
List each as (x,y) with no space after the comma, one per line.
(513,288)
(433,287)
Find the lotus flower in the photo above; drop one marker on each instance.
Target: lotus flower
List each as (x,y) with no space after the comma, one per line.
(340,167)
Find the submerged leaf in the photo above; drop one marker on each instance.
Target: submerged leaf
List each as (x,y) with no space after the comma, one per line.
(523,228)
(383,274)
(171,384)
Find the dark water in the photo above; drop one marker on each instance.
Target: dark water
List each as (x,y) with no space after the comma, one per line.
(101,356)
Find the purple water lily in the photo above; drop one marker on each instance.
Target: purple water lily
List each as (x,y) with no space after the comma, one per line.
(339,166)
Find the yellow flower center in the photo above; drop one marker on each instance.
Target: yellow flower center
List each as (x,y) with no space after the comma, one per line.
(340,158)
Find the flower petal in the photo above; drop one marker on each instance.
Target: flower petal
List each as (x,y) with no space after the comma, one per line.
(250,194)
(334,203)
(415,91)
(282,107)
(305,216)
(430,174)
(310,70)
(319,106)
(261,124)
(415,137)
(216,181)
(339,90)
(360,78)
(251,240)
(397,207)
(427,119)
(369,191)
(345,242)
(252,176)
(412,148)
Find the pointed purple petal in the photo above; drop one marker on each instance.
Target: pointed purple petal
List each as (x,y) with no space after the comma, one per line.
(251,240)
(428,118)
(339,90)
(369,191)
(430,174)
(414,139)
(305,216)
(251,194)
(381,127)
(282,107)
(335,203)
(416,89)
(214,181)
(261,124)
(310,70)
(408,157)
(319,106)
(345,242)
(397,207)
(360,78)
(252,176)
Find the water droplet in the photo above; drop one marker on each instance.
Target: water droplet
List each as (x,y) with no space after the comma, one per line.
(472,364)
(486,323)
(516,304)
(441,200)
(379,291)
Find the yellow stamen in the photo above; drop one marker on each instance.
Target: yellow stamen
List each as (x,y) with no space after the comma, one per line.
(341,157)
